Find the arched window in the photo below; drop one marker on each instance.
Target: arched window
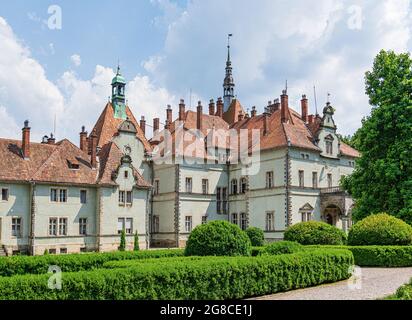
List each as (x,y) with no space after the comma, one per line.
(329,145)
(243,185)
(234,186)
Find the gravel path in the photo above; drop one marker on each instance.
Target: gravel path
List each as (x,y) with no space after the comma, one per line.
(367,284)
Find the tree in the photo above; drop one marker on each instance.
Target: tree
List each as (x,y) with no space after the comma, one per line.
(349,140)
(136,242)
(382,180)
(122,246)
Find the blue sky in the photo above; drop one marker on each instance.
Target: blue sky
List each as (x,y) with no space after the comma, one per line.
(168,48)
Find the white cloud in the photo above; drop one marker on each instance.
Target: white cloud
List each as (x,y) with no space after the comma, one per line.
(76,60)
(8,127)
(307,42)
(26,93)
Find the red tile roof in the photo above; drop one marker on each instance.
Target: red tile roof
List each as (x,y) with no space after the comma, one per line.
(232,114)
(107,127)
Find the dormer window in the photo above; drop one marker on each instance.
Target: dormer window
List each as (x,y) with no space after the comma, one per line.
(329,145)
(73,164)
(126,174)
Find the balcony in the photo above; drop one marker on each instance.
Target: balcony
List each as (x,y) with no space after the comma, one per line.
(332,190)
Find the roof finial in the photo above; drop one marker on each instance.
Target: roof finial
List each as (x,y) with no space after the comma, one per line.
(118,67)
(286,87)
(328,98)
(228,46)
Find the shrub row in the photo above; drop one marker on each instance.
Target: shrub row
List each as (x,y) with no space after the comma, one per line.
(377,256)
(16,265)
(315,233)
(211,278)
(403,293)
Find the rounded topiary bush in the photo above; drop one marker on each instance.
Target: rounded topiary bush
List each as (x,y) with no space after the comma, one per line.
(380,229)
(218,238)
(256,236)
(315,233)
(282,247)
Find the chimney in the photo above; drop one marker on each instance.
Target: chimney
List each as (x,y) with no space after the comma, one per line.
(51,140)
(219,112)
(26,140)
(156,125)
(167,125)
(212,107)
(265,124)
(284,105)
(143,124)
(169,114)
(304,104)
(254,112)
(182,110)
(277,105)
(93,150)
(240,116)
(83,140)
(199,121)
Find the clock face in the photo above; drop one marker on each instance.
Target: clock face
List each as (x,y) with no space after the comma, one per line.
(127,150)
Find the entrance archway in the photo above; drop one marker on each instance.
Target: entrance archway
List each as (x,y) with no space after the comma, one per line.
(332,215)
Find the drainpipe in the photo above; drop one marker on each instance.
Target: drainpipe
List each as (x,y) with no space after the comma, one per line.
(32,208)
(288,215)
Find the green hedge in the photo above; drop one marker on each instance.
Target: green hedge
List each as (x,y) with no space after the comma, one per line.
(16,265)
(209,278)
(403,293)
(282,247)
(377,256)
(256,236)
(315,233)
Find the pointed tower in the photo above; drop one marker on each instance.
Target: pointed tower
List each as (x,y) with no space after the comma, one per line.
(118,95)
(228,84)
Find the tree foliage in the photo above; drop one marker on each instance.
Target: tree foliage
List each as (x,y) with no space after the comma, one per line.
(382,180)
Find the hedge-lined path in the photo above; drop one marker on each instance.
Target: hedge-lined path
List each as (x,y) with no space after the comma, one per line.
(375,283)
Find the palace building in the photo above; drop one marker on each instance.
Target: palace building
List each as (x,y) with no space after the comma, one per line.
(60,197)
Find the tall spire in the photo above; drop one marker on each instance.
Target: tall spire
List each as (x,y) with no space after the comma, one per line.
(118,95)
(228,84)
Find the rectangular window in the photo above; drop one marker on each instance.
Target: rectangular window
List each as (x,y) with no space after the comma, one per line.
(270,221)
(63,227)
(156,187)
(330,182)
(63,251)
(219,200)
(235,219)
(314,180)
(188,185)
(58,195)
(83,226)
(126,174)
(63,195)
(83,196)
(156,221)
(243,221)
(329,147)
(52,251)
(306,216)
(204,219)
(188,223)
(16,227)
(122,198)
(53,195)
(4,194)
(224,197)
(53,227)
(129,226)
(301,179)
(205,186)
(269,180)
(129,197)
(120,225)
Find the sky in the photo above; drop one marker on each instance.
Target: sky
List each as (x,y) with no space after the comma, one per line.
(57,58)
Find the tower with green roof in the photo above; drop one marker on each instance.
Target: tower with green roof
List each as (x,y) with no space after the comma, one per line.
(118,96)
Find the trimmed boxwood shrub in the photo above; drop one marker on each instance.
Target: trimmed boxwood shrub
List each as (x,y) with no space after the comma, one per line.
(208,278)
(218,238)
(380,229)
(313,233)
(403,293)
(376,256)
(256,236)
(15,265)
(282,247)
